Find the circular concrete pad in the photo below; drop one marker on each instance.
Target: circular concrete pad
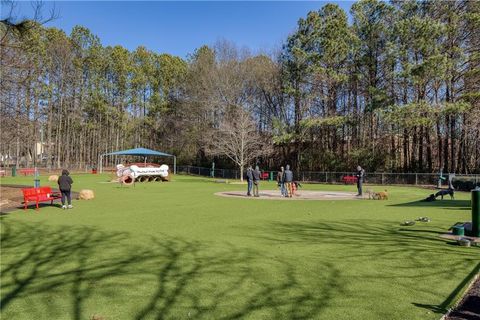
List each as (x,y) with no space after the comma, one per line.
(300,195)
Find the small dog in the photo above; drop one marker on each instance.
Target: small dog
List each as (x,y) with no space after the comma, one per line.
(295,186)
(444,192)
(372,195)
(383,195)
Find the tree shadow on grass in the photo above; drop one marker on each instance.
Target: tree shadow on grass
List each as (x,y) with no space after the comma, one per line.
(47,269)
(446,204)
(450,300)
(354,233)
(31,208)
(408,254)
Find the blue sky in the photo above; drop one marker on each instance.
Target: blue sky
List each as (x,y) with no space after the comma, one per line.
(180,27)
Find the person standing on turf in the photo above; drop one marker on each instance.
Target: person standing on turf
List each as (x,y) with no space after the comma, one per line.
(288,179)
(256,181)
(249,180)
(65,185)
(360,175)
(281,181)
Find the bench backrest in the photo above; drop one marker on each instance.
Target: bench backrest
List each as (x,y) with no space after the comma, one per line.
(32,192)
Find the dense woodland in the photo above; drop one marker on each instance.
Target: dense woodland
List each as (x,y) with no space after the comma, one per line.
(395,87)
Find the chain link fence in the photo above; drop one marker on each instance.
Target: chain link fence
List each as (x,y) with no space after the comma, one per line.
(460,182)
(207,172)
(337,177)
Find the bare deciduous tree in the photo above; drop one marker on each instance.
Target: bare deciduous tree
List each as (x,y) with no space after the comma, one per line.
(238,139)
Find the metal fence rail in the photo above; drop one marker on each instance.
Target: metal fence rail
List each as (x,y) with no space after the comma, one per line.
(465,181)
(207,172)
(336,177)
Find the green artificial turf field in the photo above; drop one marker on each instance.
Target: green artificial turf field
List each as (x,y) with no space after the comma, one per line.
(176,251)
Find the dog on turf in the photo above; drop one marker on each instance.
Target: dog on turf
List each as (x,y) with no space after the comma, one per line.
(445,192)
(372,195)
(295,186)
(383,195)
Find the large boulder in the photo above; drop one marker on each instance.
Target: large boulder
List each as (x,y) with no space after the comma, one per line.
(86,194)
(53,178)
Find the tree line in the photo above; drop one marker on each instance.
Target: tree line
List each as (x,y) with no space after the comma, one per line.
(395,87)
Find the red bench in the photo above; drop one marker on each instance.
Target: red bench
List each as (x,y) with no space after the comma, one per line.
(264,175)
(349,179)
(38,195)
(27,171)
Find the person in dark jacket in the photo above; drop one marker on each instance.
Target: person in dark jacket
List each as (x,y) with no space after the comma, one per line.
(360,175)
(288,179)
(256,181)
(281,181)
(249,175)
(65,185)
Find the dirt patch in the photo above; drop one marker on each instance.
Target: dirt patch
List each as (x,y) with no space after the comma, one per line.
(469,306)
(300,195)
(11,197)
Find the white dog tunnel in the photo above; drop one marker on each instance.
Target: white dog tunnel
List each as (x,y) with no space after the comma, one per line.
(141,152)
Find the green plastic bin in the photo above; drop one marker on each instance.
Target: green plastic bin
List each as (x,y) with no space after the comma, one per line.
(14,171)
(458,230)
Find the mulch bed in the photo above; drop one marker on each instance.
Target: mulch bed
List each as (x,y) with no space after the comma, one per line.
(469,306)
